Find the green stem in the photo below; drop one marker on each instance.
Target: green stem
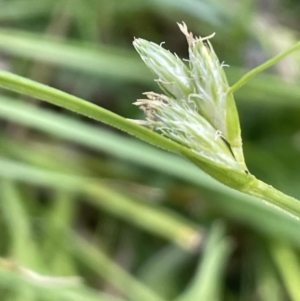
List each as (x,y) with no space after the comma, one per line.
(96,260)
(31,88)
(155,220)
(274,197)
(287,262)
(206,284)
(262,67)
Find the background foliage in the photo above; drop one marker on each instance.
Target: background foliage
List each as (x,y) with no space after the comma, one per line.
(89,213)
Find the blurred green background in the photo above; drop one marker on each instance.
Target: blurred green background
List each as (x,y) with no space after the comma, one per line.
(89,213)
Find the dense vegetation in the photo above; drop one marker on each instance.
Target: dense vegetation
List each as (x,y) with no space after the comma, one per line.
(90,213)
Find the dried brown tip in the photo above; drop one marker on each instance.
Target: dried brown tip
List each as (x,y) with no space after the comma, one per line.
(189,35)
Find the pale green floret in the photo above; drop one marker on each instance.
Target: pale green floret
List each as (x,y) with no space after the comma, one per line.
(173,75)
(180,121)
(210,84)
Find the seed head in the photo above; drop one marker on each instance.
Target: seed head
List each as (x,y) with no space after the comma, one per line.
(195,109)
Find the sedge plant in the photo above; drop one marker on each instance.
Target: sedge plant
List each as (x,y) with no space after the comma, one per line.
(195,116)
(197,110)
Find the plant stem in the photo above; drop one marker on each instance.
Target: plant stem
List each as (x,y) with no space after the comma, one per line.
(262,67)
(274,197)
(95,259)
(158,221)
(287,263)
(59,98)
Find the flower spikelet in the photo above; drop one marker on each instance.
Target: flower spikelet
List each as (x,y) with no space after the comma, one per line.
(194,110)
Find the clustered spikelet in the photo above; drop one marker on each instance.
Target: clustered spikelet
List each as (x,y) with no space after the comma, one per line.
(195,109)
